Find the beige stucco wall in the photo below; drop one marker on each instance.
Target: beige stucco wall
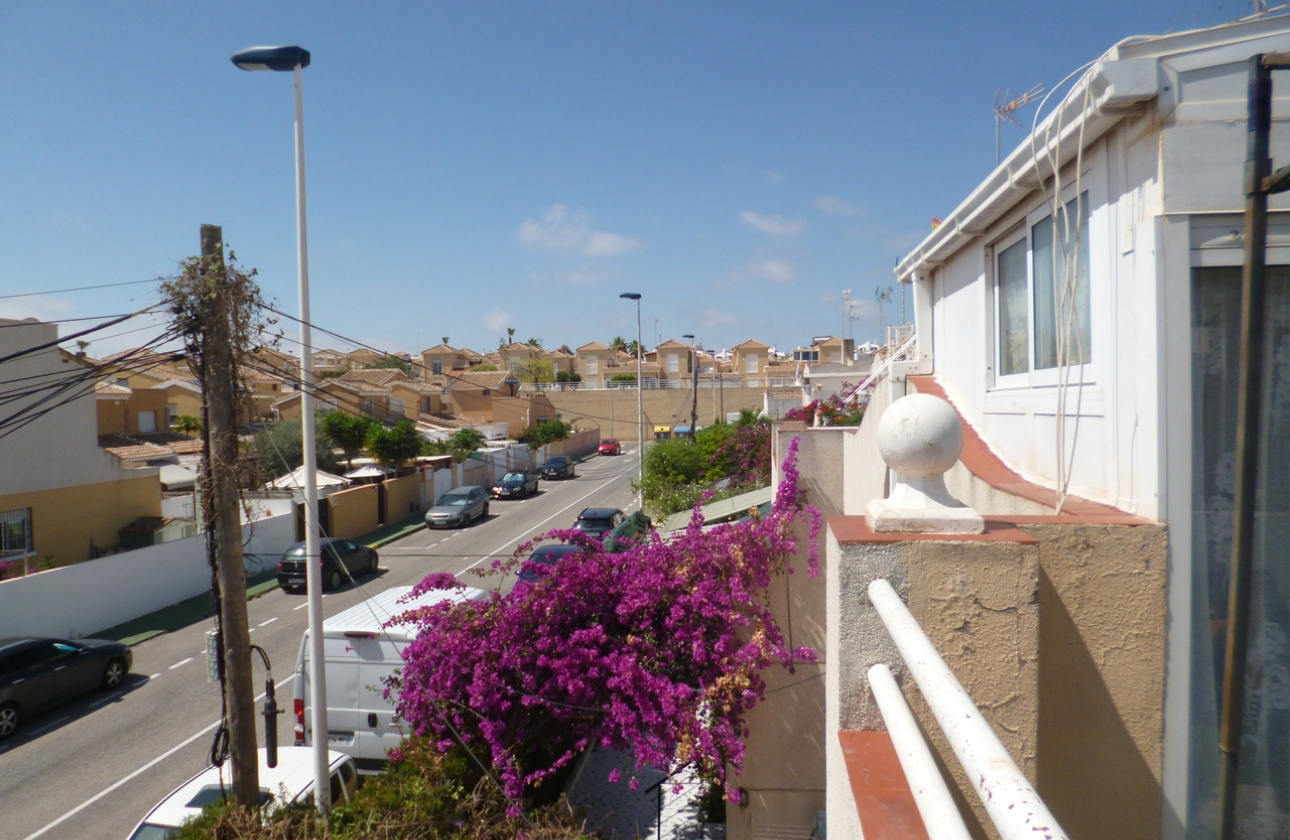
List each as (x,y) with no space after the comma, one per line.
(121,416)
(64,520)
(978,602)
(353,512)
(615,410)
(403,497)
(1101,676)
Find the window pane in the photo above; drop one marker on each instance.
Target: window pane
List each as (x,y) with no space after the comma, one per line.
(1061,287)
(1215,360)
(1014,309)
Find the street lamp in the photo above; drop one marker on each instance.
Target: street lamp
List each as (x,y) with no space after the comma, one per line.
(694,365)
(640,396)
(295,59)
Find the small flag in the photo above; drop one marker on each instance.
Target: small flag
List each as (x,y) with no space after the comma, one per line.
(936,223)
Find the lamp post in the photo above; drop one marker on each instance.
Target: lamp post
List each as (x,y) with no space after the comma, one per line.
(694,367)
(640,397)
(295,59)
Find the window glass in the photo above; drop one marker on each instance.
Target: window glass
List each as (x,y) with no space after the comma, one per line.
(1014,308)
(1216,341)
(15,532)
(1061,287)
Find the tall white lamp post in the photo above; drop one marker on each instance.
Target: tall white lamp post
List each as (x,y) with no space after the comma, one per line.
(640,397)
(295,59)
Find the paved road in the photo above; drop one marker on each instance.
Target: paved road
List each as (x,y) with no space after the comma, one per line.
(93,768)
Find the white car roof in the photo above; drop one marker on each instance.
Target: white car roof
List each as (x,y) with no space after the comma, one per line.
(294,773)
(370,615)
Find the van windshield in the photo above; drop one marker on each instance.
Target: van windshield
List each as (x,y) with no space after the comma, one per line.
(453,500)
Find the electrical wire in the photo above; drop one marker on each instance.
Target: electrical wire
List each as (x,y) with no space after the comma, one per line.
(86,288)
(57,321)
(49,344)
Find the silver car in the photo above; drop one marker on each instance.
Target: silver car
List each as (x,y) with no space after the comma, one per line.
(458,507)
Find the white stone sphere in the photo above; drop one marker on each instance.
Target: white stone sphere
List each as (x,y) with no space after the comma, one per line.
(920,435)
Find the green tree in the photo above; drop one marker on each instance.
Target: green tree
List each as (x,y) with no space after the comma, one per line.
(279,448)
(633,347)
(186,424)
(444,339)
(710,442)
(618,343)
(482,367)
(534,342)
(392,363)
(547,432)
(394,446)
(347,431)
(568,376)
(464,442)
(623,377)
(534,370)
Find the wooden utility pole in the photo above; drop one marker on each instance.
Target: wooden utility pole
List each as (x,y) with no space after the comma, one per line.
(221,393)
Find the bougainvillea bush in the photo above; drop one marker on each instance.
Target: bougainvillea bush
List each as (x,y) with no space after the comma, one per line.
(833,409)
(656,650)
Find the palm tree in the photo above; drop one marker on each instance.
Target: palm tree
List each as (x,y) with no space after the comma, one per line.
(395,446)
(348,431)
(445,340)
(634,348)
(186,425)
(510,334)
(534,342)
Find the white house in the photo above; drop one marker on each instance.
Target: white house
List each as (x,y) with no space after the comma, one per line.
(1124,211)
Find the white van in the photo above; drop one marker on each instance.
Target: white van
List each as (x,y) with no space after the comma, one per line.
(292,780)
(360,653)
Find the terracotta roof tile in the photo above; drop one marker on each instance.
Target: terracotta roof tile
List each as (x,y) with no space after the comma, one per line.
(129,449)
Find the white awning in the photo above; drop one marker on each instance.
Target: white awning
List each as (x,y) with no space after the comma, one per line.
(175,477)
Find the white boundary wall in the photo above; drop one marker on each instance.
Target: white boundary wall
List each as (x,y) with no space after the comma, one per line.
(84,598)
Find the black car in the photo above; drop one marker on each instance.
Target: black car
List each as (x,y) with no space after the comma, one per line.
(516,485)
(597,522)
(40,673)
(558,466)
(341,560)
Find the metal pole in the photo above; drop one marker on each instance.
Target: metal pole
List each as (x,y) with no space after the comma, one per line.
(313,566)
(640,407)
(1258,167)
(694,405)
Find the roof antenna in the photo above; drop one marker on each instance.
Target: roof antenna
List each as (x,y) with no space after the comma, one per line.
(1005,110)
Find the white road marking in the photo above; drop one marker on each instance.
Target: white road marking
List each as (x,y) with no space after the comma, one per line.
(167,754)
(153,676)
(102,700)
(270,621)
(301,607)
(181,662)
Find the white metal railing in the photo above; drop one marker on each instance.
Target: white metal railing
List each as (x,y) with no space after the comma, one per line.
(899,354)
(1010,800)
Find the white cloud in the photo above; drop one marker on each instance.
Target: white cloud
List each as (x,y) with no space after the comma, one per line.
(774,225)
(831,205)
(780,271)
(569,231)
(774,177)
(496,320)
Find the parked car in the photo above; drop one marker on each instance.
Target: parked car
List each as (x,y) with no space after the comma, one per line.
(458,507)
(516,485)
(597,522)
(558,466)
(547,555)
(341,560)
(40,673)
(610,446)
(291,781)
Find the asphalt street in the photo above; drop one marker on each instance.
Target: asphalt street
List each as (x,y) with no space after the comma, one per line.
(94,767)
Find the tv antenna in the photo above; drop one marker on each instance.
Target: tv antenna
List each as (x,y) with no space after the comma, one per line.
(882,296)
(1005,110)
(850,312)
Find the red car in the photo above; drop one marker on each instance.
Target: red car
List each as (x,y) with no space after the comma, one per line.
(610,446)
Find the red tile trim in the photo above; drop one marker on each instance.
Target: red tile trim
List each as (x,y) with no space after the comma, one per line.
(854,529)
(886,805)
(987,466)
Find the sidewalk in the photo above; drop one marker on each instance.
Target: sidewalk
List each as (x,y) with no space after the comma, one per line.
(202,606)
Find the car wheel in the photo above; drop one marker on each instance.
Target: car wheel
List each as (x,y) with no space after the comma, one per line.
(8,720)
(114,675)
(333,580)
(484,515)
(371,570)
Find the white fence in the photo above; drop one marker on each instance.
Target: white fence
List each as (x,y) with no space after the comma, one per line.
(78,600)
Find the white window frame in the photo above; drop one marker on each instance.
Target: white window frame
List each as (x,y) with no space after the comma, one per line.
(750,363)
(1023,231)
(673,363)
(593,365)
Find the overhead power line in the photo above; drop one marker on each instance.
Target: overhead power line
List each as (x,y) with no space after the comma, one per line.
(84,288)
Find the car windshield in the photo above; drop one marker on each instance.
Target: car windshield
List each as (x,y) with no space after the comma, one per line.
(513,477)
(296,551)
(453,500)
(152,831)
(555,462)
(593,524)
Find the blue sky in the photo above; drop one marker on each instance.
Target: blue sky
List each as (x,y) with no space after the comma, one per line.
(475,166)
